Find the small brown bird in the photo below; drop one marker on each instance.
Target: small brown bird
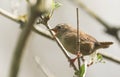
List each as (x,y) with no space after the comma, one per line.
(68,37)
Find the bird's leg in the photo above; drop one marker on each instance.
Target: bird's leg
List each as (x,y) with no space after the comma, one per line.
(74,59)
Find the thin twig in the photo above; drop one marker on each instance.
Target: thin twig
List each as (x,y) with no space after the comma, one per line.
(10,16)
(78,38)
(42,32)
(110,57)
(43,68)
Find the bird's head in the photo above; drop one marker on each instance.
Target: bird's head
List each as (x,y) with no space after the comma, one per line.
(60,29)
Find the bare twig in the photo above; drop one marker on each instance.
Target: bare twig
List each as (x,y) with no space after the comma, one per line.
(10,16)
(42,32)
(43,68)
(110,57)
(78,38)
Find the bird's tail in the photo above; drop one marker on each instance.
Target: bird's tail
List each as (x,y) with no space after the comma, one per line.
(105,44)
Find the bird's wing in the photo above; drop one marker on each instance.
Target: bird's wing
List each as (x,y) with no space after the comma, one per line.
(86,37)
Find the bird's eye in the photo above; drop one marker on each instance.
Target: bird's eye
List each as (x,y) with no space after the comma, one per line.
(59,27)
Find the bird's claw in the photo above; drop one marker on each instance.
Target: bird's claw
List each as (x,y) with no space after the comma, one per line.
(74,59)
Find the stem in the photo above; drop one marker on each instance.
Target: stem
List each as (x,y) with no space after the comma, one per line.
(110,57)
(10,16)
(42,32)
(78,38)
(18,53)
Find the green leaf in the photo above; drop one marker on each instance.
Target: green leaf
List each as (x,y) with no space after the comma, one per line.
(99,57)
(81,72)
(56,5)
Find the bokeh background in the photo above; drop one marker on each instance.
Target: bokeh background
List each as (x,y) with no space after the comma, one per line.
(48,51)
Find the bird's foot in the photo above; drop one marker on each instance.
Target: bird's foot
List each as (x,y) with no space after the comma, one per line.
(74,59)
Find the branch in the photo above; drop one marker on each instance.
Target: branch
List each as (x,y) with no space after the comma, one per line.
(44,69)
(18,53)
(78,38)
(10,16)
(110,57)
(42,32)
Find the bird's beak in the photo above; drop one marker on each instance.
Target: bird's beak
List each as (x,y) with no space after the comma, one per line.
(55,30)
